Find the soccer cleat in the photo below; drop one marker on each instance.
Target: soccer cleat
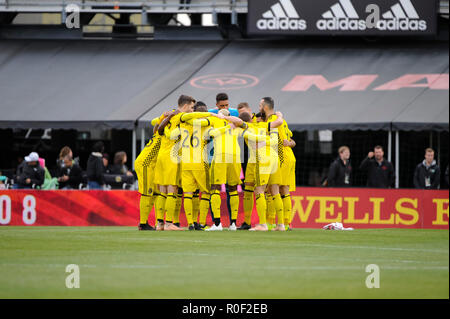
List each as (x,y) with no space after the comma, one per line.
(197,226)
(160,226)
(260,227)
(288,228)
(271,226)
(244,226)
(169,227)
(232,227)
(279,227)
(145,227)
(191,227)
(215,228)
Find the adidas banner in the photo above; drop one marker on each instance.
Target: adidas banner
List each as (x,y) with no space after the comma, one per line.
(346,17)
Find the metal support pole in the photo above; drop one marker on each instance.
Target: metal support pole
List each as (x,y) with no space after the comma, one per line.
(133,143)
(144,20)
(390,145)
(142,139)
(397,159)
(215,19)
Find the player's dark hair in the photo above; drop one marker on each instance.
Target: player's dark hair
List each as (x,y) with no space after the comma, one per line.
(245,116)
(185,99)
(221,97)
(200,107)
(268,101)
(261,115)
(378,147)
(98,147)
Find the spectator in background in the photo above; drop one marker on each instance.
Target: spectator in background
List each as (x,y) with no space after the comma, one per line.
(69,173)
(49,181)
(427,174)
(3,180)
(380,172)
(65,151)
(119,167)
(340,172)
(95,167)
(30,173)
(107,167)
(222,102)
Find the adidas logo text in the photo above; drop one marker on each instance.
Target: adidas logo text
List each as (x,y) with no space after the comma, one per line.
(341,16)
(402,17)
(281,16)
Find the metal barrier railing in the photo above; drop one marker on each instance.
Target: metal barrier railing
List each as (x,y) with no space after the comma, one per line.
(132,6)
(213,7)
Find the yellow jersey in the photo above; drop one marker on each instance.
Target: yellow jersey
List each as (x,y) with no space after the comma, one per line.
(194,138)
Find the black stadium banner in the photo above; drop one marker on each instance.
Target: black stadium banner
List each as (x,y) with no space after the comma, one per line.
(342,17)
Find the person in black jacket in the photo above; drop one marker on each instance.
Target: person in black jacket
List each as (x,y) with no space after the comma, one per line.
(69,174)
(340,172)
(427,174)
(30,172)
(380,172)
(95,167)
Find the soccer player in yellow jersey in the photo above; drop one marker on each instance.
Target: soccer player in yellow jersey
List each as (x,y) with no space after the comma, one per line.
(287,163)
(225,168)
(168,166)
(246,114)
(268,167)
(261,173)
(194,165)
(145,170)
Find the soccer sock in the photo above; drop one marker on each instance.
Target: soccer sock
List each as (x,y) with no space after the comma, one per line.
(196,206)
(176,214)
(204,208)
(278,204)
(270,210)
(160,207)
(188,208)
(171,204)
(145,206)
(261,207)
(216,202)
(248,204)
(287,204)
(234,203)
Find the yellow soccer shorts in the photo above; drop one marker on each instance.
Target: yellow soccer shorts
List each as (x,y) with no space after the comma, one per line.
(268,173)
(167,172)
(145,171)
(191,181)
(250,173)
(225,173)
(288,175)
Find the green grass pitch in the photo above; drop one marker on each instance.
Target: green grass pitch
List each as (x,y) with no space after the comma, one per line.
(121,262)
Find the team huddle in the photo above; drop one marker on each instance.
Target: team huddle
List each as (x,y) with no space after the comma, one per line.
(193,152)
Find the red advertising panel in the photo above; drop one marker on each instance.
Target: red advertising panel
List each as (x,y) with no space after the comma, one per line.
(312,208)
